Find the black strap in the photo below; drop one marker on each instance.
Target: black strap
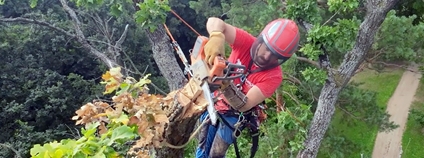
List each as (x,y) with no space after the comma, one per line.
(255,143)
(254,133)
(236,149)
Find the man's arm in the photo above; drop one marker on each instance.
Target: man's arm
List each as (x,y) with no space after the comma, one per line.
(217,25)
(262,90)
(254,97)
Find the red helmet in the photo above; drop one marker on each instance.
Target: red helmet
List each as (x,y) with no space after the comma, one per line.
(281,36)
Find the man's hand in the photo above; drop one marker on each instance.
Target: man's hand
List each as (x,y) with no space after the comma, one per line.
(214,47)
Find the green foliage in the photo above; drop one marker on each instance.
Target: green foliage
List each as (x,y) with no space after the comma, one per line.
(418,116)
(342,5)
(89,145)
(88,3)
(54,82)
(33,3)
(314,75)
(151,13)
(337,39)
(411,7)
(400,39)
(305,9)
(368,93)
(132,113)
(289,126)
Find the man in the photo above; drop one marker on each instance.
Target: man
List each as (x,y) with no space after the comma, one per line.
(238,101)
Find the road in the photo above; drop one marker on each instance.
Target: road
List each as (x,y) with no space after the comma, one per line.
(388,145)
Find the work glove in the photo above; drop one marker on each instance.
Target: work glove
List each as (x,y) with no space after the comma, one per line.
(214,47)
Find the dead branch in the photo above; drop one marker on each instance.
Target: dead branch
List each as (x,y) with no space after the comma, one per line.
(122,38)
(337,12)
(119,42)
(38,22)
(396,65)
(292,79)
(82,39)
(314,63)
(11,148)
(292,97)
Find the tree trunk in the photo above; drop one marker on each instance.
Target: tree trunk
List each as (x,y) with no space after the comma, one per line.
(188,104)
(376,13)
(165,59)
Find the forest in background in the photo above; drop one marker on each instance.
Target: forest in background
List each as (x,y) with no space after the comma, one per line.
(49,71)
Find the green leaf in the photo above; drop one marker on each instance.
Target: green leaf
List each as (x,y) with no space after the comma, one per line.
(122,119)
(116,10)
(33,3)
(91,129)
(143,81)
(100,153)
(122,133)
(37,151)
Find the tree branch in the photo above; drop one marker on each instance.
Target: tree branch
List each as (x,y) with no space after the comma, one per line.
(11,148)
(292,79)
(314,63)
(38,22)
(118,43)
(82,39)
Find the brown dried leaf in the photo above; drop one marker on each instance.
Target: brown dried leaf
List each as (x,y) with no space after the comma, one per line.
(133,120)
(159,118)
(142,127)
(146,138)
(102,128)
(102,105)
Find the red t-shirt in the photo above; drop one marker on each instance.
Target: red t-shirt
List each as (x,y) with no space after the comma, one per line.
(267,81)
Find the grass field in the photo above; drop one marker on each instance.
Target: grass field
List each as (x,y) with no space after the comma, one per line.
(384,84)
(413,137)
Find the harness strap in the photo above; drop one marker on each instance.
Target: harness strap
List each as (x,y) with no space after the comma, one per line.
(255,143)
(253,131)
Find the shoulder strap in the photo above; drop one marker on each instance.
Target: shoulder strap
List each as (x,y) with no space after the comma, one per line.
(249,67)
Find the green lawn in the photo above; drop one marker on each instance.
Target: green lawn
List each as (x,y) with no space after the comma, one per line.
(413,137)
(384,84)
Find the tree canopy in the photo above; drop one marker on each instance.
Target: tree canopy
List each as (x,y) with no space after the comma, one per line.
(57,56)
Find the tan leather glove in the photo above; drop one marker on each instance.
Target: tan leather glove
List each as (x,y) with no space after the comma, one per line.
(214,47)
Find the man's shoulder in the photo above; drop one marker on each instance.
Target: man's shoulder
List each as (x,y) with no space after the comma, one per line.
(241,33)
(242,39)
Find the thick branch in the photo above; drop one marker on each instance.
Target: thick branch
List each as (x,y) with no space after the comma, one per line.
(376,13)
(38,22)
(308,61)
(82,39)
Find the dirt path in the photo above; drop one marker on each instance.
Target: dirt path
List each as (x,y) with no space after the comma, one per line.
(388,145)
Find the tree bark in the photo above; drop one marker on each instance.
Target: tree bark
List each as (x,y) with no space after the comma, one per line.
(376,13)
(165,59)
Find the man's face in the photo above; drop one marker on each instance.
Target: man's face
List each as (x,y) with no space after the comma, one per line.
(265,57)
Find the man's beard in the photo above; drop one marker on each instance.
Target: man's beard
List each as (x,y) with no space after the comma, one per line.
(262,61)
